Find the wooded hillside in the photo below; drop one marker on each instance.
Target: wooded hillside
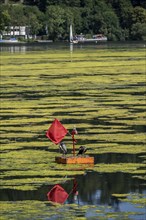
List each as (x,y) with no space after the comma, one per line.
(116,19)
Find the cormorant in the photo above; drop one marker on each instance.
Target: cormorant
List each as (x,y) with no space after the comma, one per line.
(82,150)
(62,148)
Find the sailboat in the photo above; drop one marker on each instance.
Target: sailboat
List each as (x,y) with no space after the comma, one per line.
(71,38)
(71,34)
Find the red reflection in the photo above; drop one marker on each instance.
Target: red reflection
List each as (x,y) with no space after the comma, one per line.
(57,194)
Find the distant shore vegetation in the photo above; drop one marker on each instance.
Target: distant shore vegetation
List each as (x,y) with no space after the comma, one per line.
(118,20)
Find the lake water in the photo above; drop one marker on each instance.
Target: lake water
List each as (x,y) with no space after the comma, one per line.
(22,48)
(94,188)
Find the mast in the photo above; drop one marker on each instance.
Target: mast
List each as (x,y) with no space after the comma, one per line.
(74,131)
(71,34)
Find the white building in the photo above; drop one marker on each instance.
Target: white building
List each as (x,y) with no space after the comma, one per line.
(15,31)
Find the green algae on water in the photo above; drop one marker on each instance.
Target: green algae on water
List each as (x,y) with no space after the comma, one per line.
(100,91)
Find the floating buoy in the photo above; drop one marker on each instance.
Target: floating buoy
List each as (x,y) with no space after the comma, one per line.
(56,133)
(75,160)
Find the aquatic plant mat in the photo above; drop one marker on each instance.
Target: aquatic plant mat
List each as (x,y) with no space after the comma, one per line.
(99,90)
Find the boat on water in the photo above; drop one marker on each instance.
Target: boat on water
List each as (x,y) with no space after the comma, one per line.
(82,39)
(71,37)
(96,38)
(11,40)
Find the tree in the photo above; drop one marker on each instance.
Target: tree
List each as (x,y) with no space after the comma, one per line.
(68,20)
(123,10)
(55,21)
(5,18)
(105,21)
(138,24)
(141,3)
(77,19)
(139,15)
(110,26)
(41,4)
(17,15)
(86,20)
(138,31)
(33,20)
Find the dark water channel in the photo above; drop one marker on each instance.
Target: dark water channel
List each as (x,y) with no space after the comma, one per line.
(92,188)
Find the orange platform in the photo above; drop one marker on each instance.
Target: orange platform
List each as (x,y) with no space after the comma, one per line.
(75,160)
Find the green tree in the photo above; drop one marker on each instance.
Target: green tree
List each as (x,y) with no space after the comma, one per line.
(138,31)
(123,10)
(33,20)
(105,21)
(68,20)
(88,19)
(17,15)
(70,3)
(4,18)
(41,4)
(87,3)
(77,20)
(110,26)
(138,24)
(55,21)
(139,15)
(141,3)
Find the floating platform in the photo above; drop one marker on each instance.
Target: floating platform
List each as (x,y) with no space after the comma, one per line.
(75,160)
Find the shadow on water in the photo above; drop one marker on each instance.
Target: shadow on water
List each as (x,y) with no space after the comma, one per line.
(93,188)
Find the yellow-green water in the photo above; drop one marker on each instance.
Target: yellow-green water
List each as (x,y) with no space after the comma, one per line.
(100,91)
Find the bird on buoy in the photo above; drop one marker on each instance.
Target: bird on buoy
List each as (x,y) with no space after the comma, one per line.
(82,150)
(63,148)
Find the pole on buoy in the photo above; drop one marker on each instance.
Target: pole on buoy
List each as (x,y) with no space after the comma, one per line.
(74,131)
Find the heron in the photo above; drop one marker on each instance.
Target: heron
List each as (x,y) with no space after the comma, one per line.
(82,150)
(63,148)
